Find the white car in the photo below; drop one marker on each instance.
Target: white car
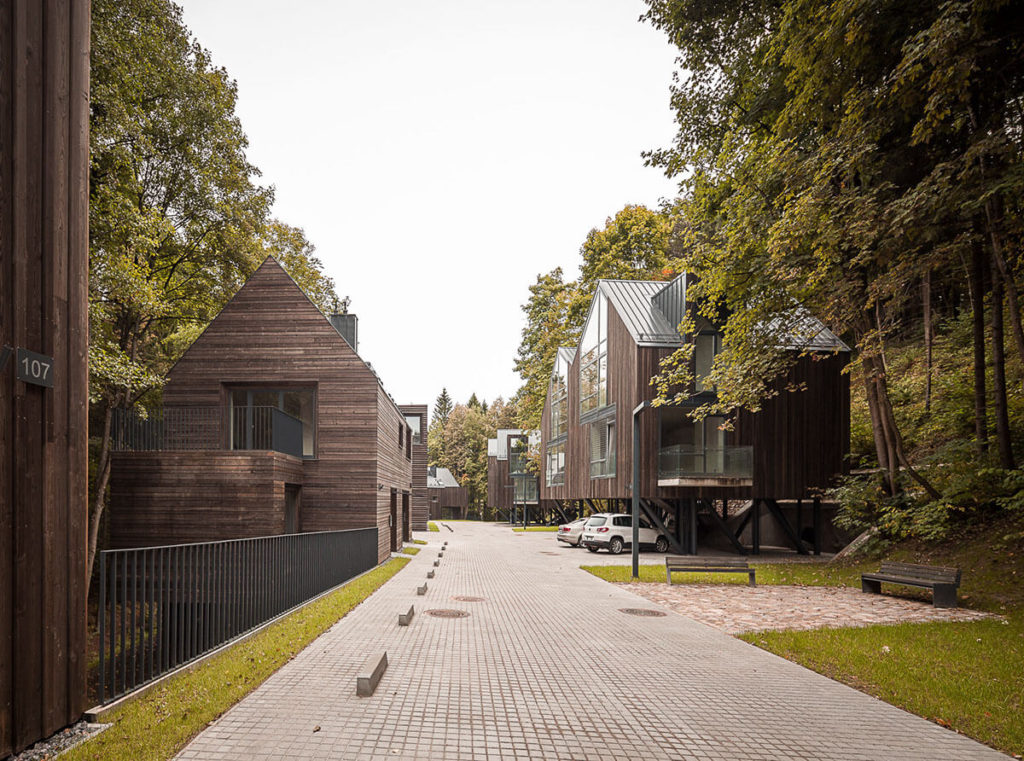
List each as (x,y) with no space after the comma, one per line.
(571,533)
(614,532)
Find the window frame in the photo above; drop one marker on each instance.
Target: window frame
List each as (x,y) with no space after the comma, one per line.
(593,358)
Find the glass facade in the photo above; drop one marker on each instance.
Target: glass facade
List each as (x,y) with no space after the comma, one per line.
(706,347)
(560,398)
(594,358)
(413,421)
(602,449)
(554,465)
(251,426)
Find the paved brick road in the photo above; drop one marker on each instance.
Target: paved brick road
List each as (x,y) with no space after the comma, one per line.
(548,667)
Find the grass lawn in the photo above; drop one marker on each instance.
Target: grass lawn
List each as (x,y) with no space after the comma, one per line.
(161,722)
(968,676)
(807,574)
(411,550)
(431,526)
(419,541)
(536,528)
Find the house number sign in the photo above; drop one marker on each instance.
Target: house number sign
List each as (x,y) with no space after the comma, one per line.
(34,368)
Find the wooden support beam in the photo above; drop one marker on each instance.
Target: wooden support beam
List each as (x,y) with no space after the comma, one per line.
(816,513)
(720,523)
(693,526)
(558,508)
(755,527)
(787,527)
(651,511)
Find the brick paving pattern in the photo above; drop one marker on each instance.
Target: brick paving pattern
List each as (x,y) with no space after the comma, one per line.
(737,609)
(547,667)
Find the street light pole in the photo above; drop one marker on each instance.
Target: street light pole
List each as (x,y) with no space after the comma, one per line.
(636,478)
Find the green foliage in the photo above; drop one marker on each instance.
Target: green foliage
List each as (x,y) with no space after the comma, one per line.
(431,526)
(635,244)
(443,406)
(459,442)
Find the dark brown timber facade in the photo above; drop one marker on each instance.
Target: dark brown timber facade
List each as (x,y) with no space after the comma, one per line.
(271,424)
(416,417)
(44,263)
(695,478)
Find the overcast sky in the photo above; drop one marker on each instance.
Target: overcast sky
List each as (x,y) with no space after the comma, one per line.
(440,155)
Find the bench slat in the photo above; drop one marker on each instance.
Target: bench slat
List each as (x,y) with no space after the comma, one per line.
(923,572)
(698,562)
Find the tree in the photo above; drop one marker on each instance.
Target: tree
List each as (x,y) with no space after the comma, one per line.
(633,245)
(443,406)
(296,254)
(177,218)
(837,155)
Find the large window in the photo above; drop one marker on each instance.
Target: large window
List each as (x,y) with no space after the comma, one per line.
(554,470)
(257,422)
(706,347)
(414,423)
(560,398)
(594,358)
(602,449)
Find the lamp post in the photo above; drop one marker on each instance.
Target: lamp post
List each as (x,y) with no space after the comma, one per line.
(636,478)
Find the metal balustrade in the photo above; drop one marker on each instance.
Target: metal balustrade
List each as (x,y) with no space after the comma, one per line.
(700,462)
(162,607)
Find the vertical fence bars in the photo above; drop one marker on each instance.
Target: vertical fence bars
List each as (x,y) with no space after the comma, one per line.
(161,607)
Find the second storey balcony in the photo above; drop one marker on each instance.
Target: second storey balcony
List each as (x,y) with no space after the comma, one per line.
(262,428)
(682,465)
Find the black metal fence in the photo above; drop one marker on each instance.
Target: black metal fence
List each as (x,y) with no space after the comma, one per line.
(161,607)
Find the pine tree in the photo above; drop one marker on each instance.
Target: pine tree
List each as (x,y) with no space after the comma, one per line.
(443,406)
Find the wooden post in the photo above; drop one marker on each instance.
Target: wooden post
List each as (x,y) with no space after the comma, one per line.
(817,525)
(755,526)
(44,261)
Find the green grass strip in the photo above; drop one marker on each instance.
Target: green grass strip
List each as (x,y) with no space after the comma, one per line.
(536,528)
(431,526)
(160,723)
(806,574)
(968,675)
(419,541)
(411,550)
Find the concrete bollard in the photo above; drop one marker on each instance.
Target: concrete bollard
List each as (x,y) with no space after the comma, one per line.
(370,674)
(421,590)
(430,574)
(405,618)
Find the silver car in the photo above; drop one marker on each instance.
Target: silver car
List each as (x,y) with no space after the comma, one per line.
(571,533)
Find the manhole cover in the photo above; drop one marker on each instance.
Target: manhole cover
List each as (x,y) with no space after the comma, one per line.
(642,612)
(447,613)
(469,598)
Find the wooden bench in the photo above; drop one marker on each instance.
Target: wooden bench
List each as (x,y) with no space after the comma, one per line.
(942,581)
(691,564)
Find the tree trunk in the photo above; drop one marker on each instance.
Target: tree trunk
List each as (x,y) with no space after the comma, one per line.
(100,498)
(977,291)
(999,377)
(993,213)
(926,308)
(885,461)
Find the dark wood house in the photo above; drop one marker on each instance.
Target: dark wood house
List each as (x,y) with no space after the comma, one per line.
(416,417)
(511,481)
(448,500)
(271,423)
(44,273)
(691,474)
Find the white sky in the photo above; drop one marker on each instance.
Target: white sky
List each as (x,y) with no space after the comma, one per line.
(441,154)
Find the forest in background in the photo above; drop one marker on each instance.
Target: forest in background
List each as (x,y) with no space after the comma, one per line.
(864,160)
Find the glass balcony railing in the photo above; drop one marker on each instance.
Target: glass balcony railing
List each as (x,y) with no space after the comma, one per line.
(698,462)
(525,489)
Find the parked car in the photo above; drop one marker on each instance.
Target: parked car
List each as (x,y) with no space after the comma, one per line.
(614,532)
(571,533)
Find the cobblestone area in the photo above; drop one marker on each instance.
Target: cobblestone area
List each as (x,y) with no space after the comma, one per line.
(737,609)
(548,667)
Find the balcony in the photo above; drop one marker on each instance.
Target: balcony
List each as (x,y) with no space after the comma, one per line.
(700,466)
(203,428)
(525,489)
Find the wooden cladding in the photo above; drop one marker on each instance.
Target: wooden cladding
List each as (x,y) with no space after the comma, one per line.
(44,260)
(271,336)
(799,440)
(420,497)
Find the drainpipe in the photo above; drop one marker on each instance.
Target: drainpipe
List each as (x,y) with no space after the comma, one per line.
(636,478)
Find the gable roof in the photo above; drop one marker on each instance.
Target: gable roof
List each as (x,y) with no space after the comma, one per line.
(441,479)
(568,353)
(637,306)
(633,302)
